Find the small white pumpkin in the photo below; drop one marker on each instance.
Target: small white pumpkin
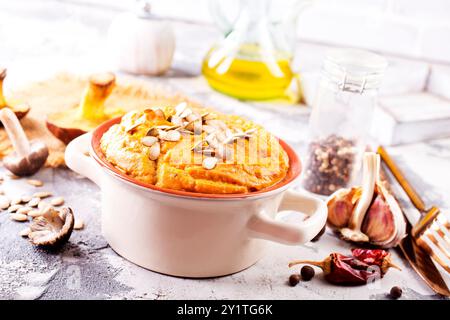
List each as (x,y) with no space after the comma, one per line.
(141,43)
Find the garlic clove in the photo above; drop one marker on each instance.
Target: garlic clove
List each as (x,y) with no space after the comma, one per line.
(368,213)
(340,207)
(384,223)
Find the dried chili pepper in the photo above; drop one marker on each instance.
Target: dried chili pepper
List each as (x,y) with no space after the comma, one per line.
(358,269)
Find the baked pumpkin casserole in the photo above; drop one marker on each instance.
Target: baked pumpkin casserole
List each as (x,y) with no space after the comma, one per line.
(192,149)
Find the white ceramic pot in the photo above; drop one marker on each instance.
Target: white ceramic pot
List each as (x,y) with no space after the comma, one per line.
(188,234)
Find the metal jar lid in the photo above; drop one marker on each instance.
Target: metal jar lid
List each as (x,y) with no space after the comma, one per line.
(354,70)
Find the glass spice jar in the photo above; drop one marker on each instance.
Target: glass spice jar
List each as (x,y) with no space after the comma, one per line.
(341,118)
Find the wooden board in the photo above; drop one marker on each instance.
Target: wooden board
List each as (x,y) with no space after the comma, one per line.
(64,91)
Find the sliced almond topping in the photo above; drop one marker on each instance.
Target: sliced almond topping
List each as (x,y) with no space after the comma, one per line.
(42,194)
(209,163)
(35,182)
(58,201)
(19,217)
(149,140)
(154,151)
(79,224)
(14,207)
(4,202)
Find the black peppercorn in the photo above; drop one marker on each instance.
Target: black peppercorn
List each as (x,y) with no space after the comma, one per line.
(317,237)
(307,273)
(396,292)
(294,279)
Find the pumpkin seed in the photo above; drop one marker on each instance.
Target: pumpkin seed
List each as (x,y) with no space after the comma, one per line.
(176,120)
(154,151)
(180,108)
(148,141)
(34,202)
(185,113)
(153,132)
(16,200)
(58,201)
(24,210)
(19,217)
(35,213)
(171,135)
(25,232)
(79,224)
(14,208)
(35,182)
(25,199)
(4,202)
(159,113)
(43,205)
(209,163)
(208,128)
(42,194)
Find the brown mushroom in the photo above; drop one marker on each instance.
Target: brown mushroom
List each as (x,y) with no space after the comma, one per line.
(53,228)
(20,110)
(68,124)
(27,157)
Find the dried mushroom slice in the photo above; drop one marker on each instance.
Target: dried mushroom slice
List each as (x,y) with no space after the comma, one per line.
(53,228)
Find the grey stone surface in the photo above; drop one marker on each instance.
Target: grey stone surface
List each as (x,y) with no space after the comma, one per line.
(86,267)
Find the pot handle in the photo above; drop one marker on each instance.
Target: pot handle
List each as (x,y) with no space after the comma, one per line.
(263,227)
(77,158)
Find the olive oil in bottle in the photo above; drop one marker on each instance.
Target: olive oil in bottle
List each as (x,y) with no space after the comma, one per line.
(248,74)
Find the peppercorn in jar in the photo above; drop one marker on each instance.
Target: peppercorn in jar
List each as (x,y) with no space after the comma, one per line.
(341,118)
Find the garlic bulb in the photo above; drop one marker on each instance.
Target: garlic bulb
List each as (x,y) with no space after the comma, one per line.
(368,213)
(141,43)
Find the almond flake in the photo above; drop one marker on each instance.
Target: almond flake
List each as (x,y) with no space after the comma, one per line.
(209,163)
(148,141)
